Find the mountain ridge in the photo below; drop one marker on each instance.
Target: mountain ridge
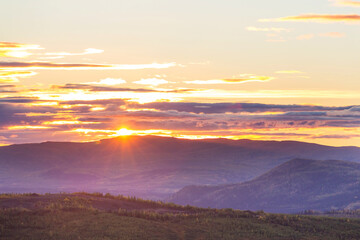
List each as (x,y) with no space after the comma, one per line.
(294,186)
(149,166)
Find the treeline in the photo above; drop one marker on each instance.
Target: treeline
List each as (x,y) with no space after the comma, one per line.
(339,213)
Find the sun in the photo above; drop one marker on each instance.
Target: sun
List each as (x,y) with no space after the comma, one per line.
(124,132)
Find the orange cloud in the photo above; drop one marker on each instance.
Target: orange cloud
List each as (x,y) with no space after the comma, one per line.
(20,50)
(12,76)
(322,18)
(243,79)
(332,35)
(305,37)
(16,50)
(328,34)
(350,3)
(81,66)
(272,29)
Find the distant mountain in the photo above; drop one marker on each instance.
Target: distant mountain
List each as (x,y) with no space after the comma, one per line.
(148,166)
(294,186)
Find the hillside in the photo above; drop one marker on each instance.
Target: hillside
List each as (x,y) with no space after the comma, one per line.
(106,217)
(148,166)
(294,186)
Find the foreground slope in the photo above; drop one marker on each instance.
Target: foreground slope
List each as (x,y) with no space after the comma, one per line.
(97,217)
(294,186)
(148,166)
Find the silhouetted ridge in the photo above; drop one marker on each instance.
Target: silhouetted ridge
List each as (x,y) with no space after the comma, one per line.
(294,186)
(149,166)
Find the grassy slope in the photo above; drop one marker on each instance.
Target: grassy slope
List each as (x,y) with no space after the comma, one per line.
(95,217)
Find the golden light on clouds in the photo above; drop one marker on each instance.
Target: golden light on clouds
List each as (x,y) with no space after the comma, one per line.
(322,18)
(26,127)
(124,132)
(109,81)
(13,76)
(350,3)
(83,95)
(121,132)
(329,135)
(151,81)
(67,122)
(18,66)
(271,29)
(244,78)
(111,103)
(17,50)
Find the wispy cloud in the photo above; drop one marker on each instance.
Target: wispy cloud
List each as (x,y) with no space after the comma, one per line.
(101,88)
(17,50)
(288,72)
(86,52)
(244,78)
(82,66)
(152,81)
(305,37)
(332,35)
(12,76)
(322,18)
(272,29)
(20,50)
(328,35)
(109,81)
(350,3)
(12,71)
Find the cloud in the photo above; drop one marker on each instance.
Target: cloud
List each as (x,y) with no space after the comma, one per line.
(332,34)
(305,37)
(102,118)
(19,99)
(14,114)
(12,76)
(101,88)
(109,81)
(322,18)
(151,81)
(350,3)
(20,50)
(211,108)
(288,72)
(12,71)
(243,79)
(86,52)
(82,66)
(328,34)
(337,136)
(7,88)
(272,29)
(16,50)
(92,88)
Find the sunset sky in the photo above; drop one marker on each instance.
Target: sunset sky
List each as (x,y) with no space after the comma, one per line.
(266,70)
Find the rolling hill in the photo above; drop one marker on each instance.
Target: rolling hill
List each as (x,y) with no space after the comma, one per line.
(100,217)
(294,186)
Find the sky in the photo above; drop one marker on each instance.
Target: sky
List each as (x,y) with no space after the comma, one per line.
(263,70)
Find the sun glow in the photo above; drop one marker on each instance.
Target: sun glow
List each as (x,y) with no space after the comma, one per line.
(124,132)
